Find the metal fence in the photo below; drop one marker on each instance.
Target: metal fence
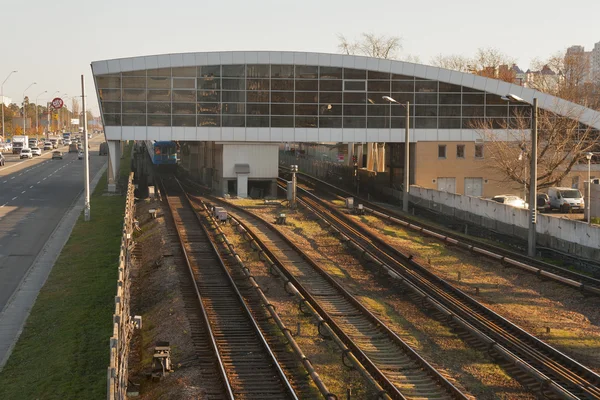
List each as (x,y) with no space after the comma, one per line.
(122,323)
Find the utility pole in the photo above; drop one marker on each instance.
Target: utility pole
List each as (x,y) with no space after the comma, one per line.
(86,159)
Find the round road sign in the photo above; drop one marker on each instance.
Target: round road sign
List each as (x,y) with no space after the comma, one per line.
(57,102)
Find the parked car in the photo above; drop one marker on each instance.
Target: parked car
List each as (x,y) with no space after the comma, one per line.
(2,160)
(543,203)
(36,151)
(510,200)
(566,199)
(57,154)
(48,146)
(25,153)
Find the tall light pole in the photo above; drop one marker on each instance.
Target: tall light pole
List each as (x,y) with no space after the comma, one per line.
(37,113)
(405,190)
(2,97)
(589,193)
(24,111)
(531,240)
(64,97)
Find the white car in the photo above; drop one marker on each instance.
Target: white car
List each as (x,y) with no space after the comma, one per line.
(25,153)
(510,200)
(36,151)
(48,146)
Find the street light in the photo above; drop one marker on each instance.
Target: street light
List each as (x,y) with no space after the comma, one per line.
(24,113)
(589,194)
(533,172)
(2,97)
(37,113)
(406,188)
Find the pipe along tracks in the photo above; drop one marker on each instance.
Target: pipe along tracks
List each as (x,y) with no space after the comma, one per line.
(229,339)
(551,372)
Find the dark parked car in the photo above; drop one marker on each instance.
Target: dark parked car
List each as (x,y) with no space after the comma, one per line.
(543,203)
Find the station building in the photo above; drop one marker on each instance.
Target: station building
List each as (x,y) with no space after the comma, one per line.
(232,112)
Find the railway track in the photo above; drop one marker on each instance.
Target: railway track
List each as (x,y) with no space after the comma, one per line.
(391,362)
(226,333)
(561,376)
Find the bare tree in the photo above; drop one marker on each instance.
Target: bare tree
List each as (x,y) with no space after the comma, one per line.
(371,45)
(488,62)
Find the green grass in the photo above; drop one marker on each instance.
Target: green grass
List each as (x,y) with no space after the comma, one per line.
(63,352)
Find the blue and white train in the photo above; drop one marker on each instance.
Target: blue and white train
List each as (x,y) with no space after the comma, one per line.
(162,152)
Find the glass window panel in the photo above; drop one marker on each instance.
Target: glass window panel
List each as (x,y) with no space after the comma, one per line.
(112,119)
(441,151)
(378,75)
(307,85)
(282,109)
(426,86)
(184,83)
(233,108)
(111,107)
(330,86)
(209,96)
(159,120)
(257,122)
(330,97)
(234,84)
(134,119)
(378,110)
(307,109)
(209,71)
(282,97)
(233,120)
(108,82)
(448,87)
(355,110)
(404,97)
(306,122)
(330,109)
(460,151)
(209,108)
(426,98)
(496,111)
(256,97)
(449,123)
(139,72)
(282,84)
(160,72)
(209,120)
(377,97)
(155,82)
(494,99)
(498,123)
(134,108)
(282,122)
(450,98)
(159,95)
(400,123)
(426,123)
(257,71)
(257,109)
(307,72)
(209,83)
(109,94)
(475,99)
(449,111)
(426,111)
(478,151)
(282,71)
(184,95)
(378,122)
(355,122)
(134,94)
(234,71)
(356,98)
(355,85)
(466,89)
(330,122)
(330,73)
(307,97)
(134,82)
(159,108)
(257,84)
(378,86)
(521,111)
(351,73)
(402,77)
(184,71)
(403,86)
(470,123)
(473,111)
(184,120)
(184,108)
(234,97)
(400,111)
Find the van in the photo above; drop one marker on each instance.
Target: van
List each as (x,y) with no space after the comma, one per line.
(566,199)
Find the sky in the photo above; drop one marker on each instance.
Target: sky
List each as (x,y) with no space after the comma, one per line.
(53,43)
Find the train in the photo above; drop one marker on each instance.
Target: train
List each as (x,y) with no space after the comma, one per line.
(162,152)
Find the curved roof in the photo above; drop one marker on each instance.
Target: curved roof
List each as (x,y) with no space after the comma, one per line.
(545,101)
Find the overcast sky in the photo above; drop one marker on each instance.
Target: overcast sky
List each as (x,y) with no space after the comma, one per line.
(53,42)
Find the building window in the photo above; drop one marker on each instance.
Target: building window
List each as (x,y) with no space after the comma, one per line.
(460,151)
(442,151)
(355,85)
(478,151)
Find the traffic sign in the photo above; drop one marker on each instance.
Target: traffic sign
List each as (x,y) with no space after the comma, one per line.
(57,102)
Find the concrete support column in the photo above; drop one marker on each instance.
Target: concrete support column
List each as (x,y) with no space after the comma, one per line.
(114,164)
(350,154)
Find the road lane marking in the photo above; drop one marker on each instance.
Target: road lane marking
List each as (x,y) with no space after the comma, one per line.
(14,198)
(44,179)
(12,177)
(31,187)
(23,191)
(38,182)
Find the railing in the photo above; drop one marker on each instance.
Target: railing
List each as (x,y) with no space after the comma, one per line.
(122,324)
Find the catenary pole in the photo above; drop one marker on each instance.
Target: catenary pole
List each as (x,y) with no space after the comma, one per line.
(86,159)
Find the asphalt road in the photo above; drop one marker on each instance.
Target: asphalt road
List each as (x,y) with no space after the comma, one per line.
(34,196)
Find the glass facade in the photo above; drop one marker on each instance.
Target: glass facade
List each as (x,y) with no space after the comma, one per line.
(290,96)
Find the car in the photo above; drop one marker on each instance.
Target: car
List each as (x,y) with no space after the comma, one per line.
(80,155)
(510,200)
(57,154)
(73,148)
(48,146)
(566,199)
(543,203)
(2,160)
(36,151)
(25,153)
(103,149)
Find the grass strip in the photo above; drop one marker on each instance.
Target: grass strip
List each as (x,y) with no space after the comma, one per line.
(63,352)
